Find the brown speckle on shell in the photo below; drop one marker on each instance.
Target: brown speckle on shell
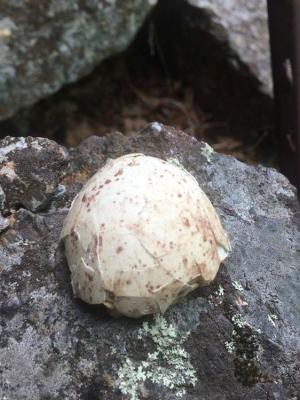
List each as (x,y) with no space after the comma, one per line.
(186,222)
(74,237)
(120,172)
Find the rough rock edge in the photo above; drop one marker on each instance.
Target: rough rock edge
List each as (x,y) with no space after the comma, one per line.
(244,339)
(44,47)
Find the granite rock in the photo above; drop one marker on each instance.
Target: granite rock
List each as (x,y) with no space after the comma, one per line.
(2,198)
(244,24)
(45,45)
(236,339)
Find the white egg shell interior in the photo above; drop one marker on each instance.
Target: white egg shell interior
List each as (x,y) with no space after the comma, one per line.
(140,235)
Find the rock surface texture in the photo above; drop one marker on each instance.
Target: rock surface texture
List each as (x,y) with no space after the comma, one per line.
(236,339)
(245,24)
(45,45)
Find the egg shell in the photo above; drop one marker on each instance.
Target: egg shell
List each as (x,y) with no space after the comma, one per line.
(140,235)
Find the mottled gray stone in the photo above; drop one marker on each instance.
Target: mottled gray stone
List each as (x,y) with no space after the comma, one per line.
(244,340)
(30,170)
(245,26)
(4,223)
(2,198)
(47,44)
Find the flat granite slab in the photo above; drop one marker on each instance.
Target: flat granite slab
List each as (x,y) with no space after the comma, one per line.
(236,339)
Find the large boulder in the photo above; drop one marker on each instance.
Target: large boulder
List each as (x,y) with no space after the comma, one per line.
(236,339)
(45,45)
(244,24)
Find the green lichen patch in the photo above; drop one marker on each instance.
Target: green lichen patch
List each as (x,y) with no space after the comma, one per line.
(230,347)
(217,297)
(167,365)
(272,318)
(247,354)
(237,286)
(239,321)
(207,151)
(220,291)
(176,162)
(246,349)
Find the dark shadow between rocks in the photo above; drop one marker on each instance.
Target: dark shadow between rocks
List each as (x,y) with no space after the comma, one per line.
(175,72)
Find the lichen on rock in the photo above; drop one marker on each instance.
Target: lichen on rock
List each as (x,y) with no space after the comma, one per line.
(53,346)
(167,365)
(44,46)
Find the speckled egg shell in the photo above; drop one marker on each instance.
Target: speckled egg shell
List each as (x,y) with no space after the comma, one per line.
(140,235)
